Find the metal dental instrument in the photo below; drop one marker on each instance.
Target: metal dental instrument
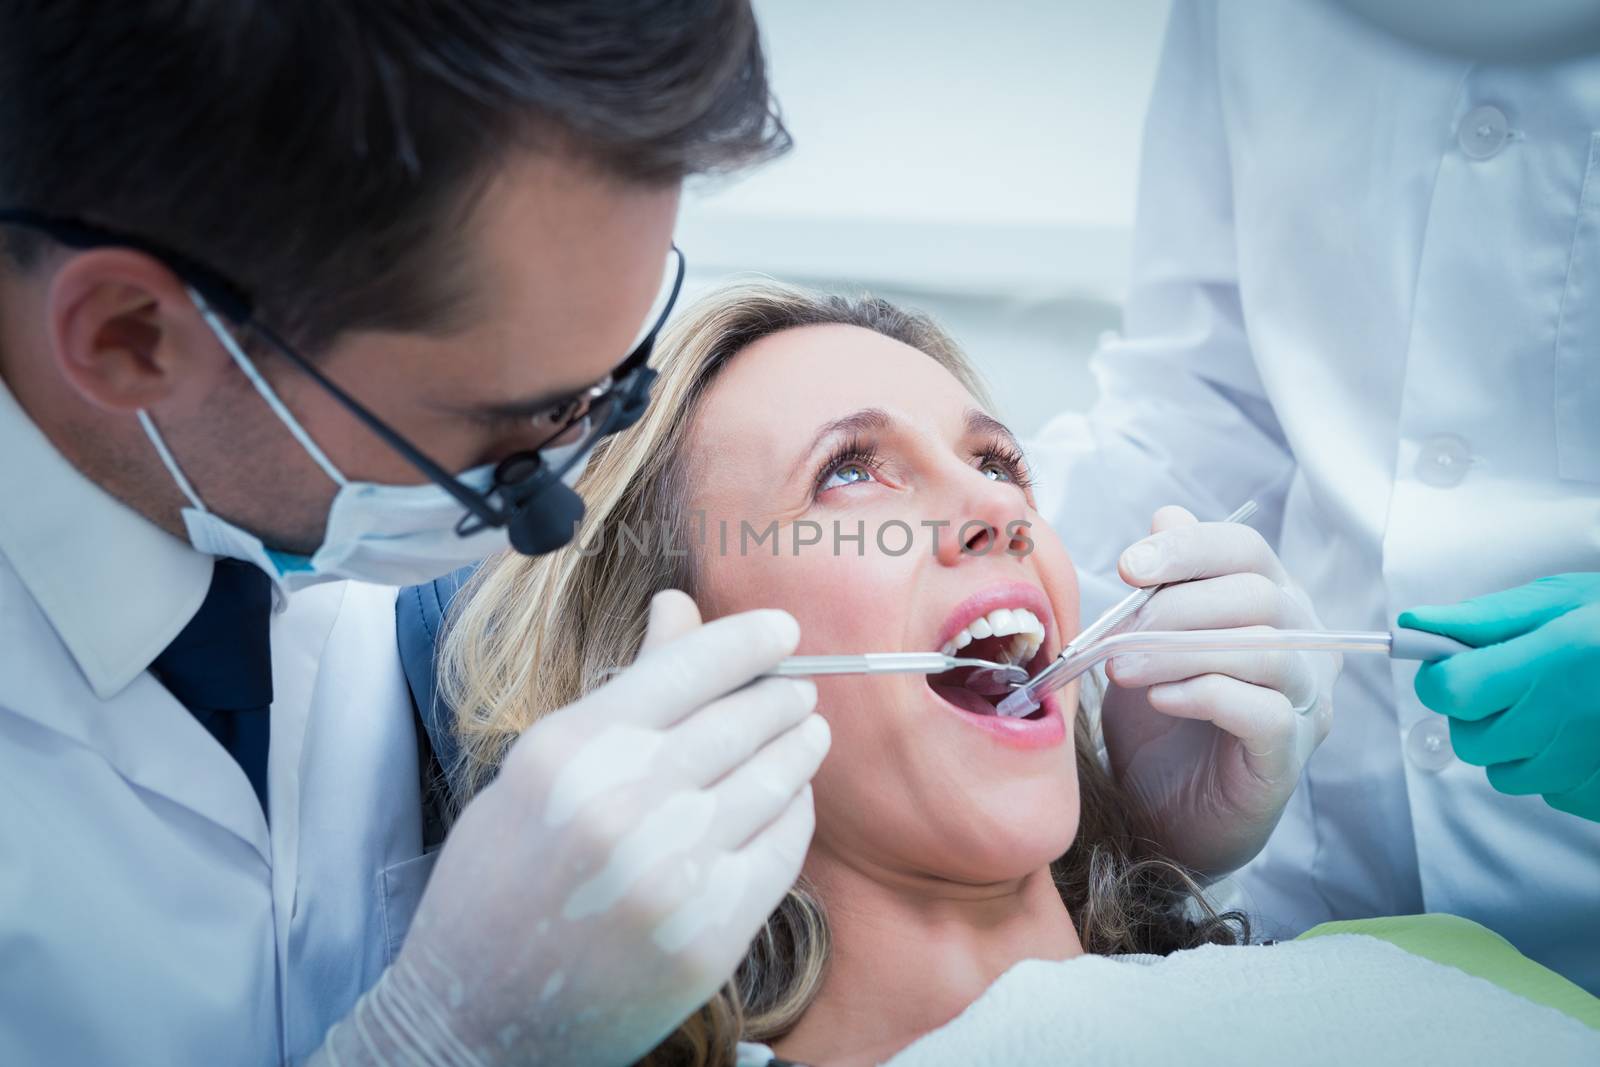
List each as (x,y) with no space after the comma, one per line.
(1025,699)
(894,663)
(1396,644)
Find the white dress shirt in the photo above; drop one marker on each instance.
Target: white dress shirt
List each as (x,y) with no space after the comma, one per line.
(147,912)
(1366,293)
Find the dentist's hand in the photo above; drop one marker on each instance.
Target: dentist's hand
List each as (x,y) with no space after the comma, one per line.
(1525,703)
(610,879)
(1214,742)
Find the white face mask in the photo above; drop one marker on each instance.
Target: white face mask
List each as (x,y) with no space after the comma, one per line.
(387,534)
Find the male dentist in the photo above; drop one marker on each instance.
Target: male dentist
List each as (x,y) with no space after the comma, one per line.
(1366,293)
(291,295)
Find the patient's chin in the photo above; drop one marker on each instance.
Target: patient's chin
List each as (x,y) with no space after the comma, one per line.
(995,849)
(911,789)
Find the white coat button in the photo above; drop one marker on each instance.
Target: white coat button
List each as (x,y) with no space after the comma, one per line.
(1482,132)
(1428,744)
(1443,461)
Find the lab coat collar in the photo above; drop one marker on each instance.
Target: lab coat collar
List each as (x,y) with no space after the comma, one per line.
(115,587)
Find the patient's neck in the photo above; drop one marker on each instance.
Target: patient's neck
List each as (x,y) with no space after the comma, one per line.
(910,954)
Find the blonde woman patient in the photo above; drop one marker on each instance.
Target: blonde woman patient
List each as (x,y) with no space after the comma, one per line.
(977,889)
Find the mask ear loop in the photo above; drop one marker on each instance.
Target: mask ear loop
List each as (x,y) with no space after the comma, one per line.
(170,461)
(225,336)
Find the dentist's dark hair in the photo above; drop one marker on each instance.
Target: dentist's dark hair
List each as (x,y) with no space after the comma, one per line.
(324,156)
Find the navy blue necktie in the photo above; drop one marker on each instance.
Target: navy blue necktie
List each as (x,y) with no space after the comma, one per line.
(220,666)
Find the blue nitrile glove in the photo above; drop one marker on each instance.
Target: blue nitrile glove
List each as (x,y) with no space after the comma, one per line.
(1525,702)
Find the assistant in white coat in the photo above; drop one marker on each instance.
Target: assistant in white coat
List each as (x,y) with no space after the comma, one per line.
(142,899)
(1366,293)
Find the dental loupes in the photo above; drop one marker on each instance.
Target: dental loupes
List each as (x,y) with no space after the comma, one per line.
(1025,699)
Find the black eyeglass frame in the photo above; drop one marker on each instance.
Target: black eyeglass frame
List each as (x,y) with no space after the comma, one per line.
(518,478)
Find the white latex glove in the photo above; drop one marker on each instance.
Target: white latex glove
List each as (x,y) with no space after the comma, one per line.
(610,879)
(1214,742)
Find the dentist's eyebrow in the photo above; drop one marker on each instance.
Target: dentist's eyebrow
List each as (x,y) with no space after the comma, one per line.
(528,408)
(531,408)
(982,424)
(867,420)
(512,410)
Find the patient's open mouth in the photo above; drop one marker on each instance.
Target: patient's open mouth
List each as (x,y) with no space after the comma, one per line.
(1012,635)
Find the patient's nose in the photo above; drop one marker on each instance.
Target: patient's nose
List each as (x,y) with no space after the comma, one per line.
(987,521)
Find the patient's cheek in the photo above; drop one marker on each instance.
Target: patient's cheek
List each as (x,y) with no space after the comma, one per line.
(841,610)
(843,604)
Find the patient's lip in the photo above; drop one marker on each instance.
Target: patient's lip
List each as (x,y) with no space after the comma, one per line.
(1000,595)
(1046,730)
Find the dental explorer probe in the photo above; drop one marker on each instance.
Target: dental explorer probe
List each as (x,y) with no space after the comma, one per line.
(1023,701)
(892,663)
(1399,643)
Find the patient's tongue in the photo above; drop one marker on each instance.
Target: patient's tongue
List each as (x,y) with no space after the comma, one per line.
(994,683)
(965,699)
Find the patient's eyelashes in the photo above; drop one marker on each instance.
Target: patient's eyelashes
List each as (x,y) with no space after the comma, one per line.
(857,461)
(1007,461)
(852,462)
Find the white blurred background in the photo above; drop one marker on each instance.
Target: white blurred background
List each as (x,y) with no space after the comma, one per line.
(975,160)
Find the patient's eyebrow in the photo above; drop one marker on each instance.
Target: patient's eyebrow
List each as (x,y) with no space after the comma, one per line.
(982,424)
(867,420)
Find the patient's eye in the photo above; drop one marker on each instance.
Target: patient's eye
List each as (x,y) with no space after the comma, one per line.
(850,464)
(996,471)
(847,474)
(1003,463)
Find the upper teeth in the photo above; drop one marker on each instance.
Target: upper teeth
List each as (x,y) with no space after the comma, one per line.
(1002,622)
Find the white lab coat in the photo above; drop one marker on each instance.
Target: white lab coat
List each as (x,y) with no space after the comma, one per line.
(147,914)
(1366,293)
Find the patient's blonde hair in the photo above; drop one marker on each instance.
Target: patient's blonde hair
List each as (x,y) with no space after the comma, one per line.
(530,635)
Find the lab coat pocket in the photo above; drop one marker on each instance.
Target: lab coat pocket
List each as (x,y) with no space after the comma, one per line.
(401,885)
(1577,385)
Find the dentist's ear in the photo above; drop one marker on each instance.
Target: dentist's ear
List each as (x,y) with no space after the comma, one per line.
(124,333)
